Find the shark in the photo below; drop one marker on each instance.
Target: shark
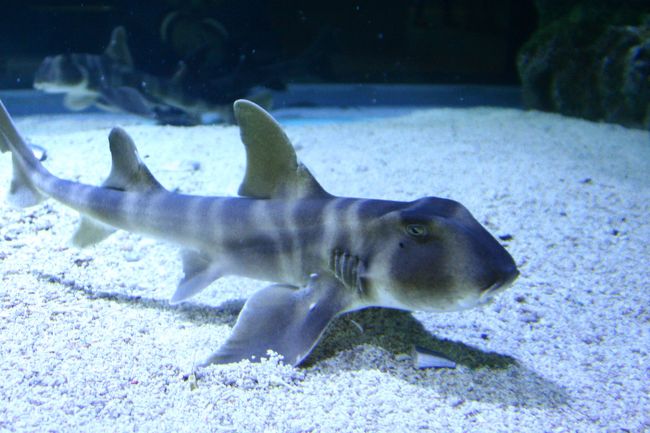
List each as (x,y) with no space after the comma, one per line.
(108,81)
(325,255)
(111,82)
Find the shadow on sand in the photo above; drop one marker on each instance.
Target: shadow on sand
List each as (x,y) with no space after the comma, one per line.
(488,376)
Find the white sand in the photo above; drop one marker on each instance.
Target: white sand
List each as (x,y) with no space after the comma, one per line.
(88,341)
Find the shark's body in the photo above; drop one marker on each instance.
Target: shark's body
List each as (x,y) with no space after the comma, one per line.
(329,254)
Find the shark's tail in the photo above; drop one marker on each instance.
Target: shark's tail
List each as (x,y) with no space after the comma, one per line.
(32,183)
(26,167)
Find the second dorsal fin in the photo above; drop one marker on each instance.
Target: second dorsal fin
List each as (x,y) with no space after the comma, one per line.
(272,168)
(128,172)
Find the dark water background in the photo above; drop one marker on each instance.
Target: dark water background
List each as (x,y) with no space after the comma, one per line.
(411,41)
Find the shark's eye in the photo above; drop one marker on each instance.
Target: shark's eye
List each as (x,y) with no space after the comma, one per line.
(416,230)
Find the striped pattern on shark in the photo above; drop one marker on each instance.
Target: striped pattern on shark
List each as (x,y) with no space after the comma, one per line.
(328,255)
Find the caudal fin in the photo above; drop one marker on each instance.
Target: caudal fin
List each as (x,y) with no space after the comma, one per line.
(23,192)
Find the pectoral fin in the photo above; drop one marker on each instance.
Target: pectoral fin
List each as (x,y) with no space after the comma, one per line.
(284,319)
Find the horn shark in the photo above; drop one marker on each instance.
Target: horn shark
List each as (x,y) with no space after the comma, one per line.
(111,82)
(328,255)
(108,81)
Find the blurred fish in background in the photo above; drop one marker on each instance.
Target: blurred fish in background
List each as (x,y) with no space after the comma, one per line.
(108,81)
(213,70)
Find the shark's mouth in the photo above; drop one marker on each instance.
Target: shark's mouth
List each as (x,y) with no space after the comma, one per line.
(488,294)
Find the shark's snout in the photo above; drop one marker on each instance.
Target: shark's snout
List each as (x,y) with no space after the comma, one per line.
(510,274)
(499,272)
(505,279)
(500,267)
(495,269)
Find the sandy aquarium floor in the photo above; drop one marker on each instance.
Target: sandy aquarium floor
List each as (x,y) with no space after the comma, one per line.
(89,342)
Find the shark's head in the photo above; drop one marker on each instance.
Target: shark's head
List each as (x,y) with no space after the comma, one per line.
(61,73)
(432,255)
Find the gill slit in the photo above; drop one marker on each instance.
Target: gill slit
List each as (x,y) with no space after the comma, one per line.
(349,269)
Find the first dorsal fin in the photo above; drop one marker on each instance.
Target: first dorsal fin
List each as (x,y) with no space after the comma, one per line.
(272,168)
(128,173)
(118,49)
